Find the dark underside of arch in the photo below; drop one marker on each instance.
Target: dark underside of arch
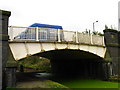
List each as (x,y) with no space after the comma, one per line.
(75,63)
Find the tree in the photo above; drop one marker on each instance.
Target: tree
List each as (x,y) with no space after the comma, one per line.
(106,27)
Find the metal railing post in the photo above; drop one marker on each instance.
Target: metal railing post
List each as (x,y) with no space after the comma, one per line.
(37,34)
(91,40)
(59,36)
(76,36)
(11,33)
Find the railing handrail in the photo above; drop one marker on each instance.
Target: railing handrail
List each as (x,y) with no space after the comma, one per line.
(38,28)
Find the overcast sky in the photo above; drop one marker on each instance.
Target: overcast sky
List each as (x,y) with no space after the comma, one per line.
(75,15)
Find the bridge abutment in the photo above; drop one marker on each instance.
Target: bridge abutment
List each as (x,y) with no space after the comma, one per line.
(4,51)
(4,16)
(112,42)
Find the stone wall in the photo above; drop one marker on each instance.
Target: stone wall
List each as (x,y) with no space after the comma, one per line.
(4,16)
(112,42)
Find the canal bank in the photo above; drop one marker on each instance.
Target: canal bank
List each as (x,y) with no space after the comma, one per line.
(88,83)
(47,80)
(78,82)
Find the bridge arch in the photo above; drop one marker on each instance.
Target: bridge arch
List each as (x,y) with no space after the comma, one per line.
(73,62)
(22,49)
(84,59)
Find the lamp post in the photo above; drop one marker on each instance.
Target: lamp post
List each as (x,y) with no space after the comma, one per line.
(94,26)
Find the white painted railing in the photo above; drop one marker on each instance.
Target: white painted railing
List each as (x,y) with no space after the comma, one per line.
(47,34)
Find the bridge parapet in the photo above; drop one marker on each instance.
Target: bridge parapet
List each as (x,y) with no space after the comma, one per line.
(47,34)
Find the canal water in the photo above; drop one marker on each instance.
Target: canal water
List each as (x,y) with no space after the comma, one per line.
(76,82)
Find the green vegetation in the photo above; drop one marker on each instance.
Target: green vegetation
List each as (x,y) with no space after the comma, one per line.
(36,62)
(99,33)
(78,83)
(52,84)
(94,33)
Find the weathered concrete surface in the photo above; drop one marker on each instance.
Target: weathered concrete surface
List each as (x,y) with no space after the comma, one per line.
(22,49)
(4,16)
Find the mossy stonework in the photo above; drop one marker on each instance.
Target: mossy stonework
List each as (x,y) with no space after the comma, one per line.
(7,72)
(4,17)
(112,43)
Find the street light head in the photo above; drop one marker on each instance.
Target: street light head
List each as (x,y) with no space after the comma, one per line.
(96,21)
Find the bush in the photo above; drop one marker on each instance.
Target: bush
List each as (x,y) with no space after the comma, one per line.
(36,62)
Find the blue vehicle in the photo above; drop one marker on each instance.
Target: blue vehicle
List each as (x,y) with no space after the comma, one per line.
(45,32)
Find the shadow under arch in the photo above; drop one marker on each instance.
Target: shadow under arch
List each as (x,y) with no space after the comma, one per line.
(69,62)
(69,54)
